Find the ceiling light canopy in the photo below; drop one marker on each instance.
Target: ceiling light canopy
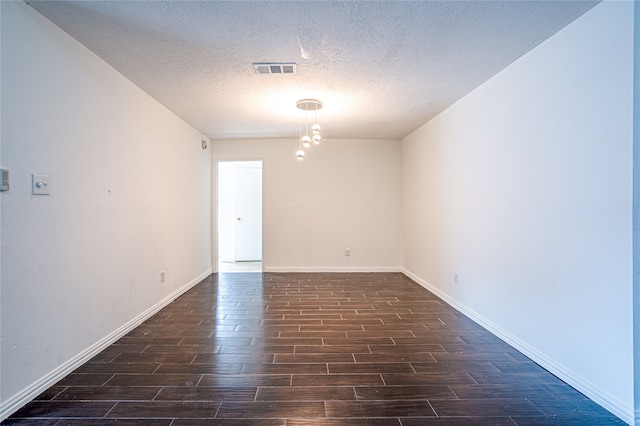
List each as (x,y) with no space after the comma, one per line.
(307,106)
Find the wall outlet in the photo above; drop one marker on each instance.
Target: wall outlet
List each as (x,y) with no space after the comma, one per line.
(347,252)
(161,276)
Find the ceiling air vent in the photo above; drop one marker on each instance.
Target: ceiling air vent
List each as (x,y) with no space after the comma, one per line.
(275,67)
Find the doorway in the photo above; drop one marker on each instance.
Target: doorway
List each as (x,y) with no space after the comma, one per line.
(240,216)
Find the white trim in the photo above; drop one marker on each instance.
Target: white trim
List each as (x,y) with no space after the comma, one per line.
(594,393)
(17,401)
(340,269)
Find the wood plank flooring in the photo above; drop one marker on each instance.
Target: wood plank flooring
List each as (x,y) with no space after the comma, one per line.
(310,349)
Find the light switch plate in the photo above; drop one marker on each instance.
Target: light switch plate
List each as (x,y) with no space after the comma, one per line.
(40,184)
(5,179)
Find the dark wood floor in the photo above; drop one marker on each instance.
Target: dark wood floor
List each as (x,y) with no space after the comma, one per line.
(310,349)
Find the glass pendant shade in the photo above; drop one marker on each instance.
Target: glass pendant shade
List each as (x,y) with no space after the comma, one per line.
(315,129)
(306,141)
(317,139)
(300,154)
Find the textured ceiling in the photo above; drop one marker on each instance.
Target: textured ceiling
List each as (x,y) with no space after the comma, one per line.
(382,69)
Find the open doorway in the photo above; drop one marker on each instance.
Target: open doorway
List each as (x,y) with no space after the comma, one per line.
(240,216)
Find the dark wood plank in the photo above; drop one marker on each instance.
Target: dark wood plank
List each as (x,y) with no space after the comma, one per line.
(294,349)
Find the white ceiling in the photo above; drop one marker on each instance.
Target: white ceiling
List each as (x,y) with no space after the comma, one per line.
(381,68)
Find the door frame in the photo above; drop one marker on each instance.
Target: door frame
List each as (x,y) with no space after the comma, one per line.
(216,202)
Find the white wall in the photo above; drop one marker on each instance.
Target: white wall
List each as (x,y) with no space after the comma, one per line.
(523,188)
(130,197)
(344,194)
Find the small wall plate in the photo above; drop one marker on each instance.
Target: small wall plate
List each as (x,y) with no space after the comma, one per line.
(4,174)
(40,184)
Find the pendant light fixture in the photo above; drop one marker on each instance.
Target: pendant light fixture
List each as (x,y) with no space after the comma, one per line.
(306,106)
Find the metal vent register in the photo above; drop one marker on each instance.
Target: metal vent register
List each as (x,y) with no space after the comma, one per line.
(275,67)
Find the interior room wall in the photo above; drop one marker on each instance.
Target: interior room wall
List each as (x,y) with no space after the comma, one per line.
(130,197)
(524,190)
(343,195)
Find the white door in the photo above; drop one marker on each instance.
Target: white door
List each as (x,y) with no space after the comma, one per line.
(248,212)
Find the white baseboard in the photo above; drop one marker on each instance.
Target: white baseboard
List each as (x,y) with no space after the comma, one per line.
(18,400)
(596,394)
(610,403)
(339,269)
